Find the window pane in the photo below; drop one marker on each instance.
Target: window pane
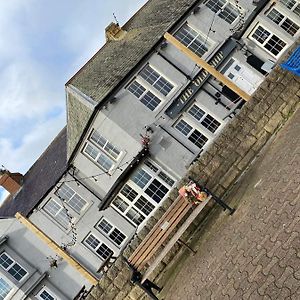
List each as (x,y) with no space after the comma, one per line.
(229,13)
(104,251)
(92,241)
(297,10)
(128,192)
(112,150)
(5,261)
(150,75)
(183,127)
(105,226)
(135,216)
(5,288)
(141,178)
(275,44)
(105,162)
(46,295)
(73,199)
(151,166)
(104,144)
(65,192)
(117,236)
(162,175)
(144,205)
(196,112)
(156,190)
(192,39)
(210,123)
(215,5)
(261,34)
(136,89)
(120,204)
(77,203)
(98,139)
(156,80)
(150,100)
(288,3)
(91,151)
(17,272)
(275,16)
(290,27)
(198,138)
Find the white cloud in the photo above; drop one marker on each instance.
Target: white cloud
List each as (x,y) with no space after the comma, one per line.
(42,44)
(32,145)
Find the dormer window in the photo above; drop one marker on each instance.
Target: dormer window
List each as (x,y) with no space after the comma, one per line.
(70,197)
(102,151)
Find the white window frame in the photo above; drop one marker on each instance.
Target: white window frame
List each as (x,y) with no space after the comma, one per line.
(7,285)
(193,129)
(102,152)
(202,119)
(65,226)
(94,250)
(221,9)
(68,200)
(139,80)
(140,192)
(160,77)
(199,35)
(262,45)
(293,8)
(14,262)
(45,289)
(285,17)
(110,232)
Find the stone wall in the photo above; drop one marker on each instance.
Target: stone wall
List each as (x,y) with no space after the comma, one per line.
(218,168)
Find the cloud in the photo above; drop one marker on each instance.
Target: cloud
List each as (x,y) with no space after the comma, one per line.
(18,159)
(42,45)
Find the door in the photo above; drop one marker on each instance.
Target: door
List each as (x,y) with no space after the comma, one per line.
(243,77)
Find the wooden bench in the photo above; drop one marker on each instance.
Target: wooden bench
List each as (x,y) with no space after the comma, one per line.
(163,229)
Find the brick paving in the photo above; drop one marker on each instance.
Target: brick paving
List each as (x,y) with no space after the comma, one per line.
(254,254)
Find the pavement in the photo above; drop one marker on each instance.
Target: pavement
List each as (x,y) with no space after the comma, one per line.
(255,253)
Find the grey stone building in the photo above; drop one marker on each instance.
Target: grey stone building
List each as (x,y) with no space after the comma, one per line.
(141,111)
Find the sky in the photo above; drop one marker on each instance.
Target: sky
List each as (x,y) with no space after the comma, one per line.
(42,44)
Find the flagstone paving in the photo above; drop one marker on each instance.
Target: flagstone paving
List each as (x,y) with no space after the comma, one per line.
(254,254)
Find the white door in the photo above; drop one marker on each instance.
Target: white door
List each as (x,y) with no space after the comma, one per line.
(243,77)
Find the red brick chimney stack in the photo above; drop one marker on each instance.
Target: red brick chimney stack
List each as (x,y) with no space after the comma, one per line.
(12,182)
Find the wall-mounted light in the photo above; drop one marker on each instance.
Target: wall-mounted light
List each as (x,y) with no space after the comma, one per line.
(196,10)
(163,45)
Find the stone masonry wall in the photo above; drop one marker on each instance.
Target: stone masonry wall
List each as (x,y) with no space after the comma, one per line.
(218,168)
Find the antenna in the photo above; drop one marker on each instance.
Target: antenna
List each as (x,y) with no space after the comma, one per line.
(117,22)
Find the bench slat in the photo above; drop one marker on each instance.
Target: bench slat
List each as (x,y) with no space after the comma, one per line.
(165,234)
(153,239)
(175,238)
(156,227)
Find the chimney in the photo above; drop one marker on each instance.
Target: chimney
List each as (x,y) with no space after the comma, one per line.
(12,182)
(113,32)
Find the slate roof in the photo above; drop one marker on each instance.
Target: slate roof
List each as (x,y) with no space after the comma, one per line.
(103,72)
(39,179)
